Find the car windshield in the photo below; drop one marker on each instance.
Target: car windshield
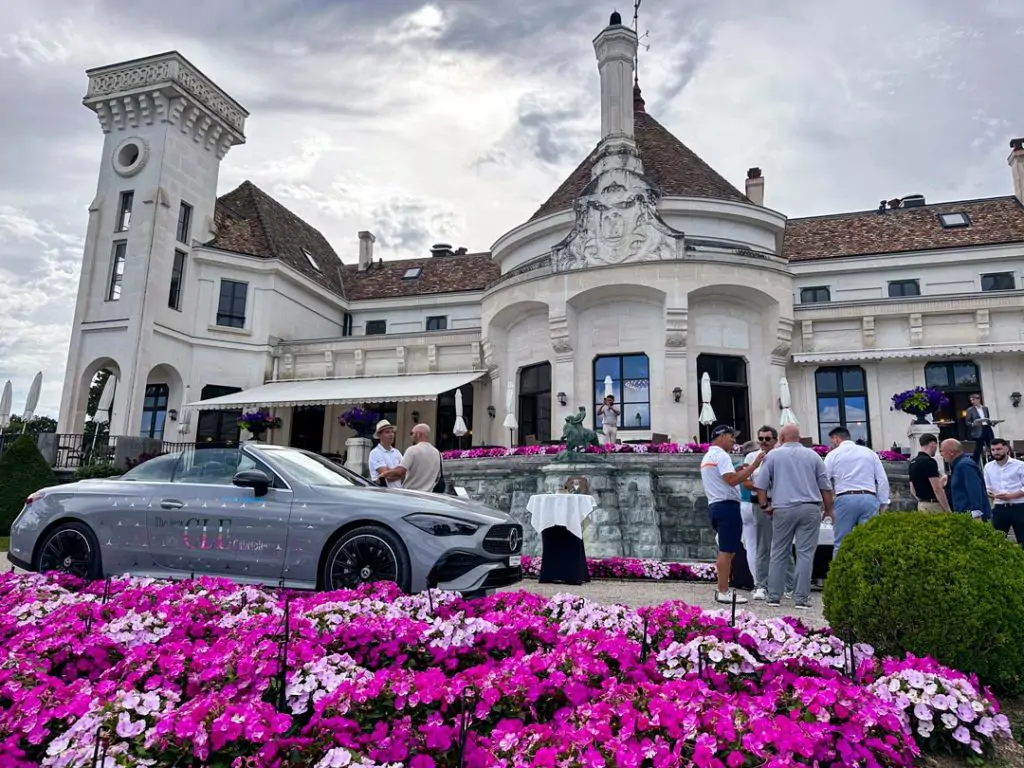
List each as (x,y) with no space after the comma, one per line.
(310,469)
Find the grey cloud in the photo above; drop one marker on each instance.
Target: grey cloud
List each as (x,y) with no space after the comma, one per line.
(412,227)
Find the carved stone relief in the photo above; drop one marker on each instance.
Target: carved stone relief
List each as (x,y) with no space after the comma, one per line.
(916,330)
(807,335)
(329,363)
(982,320)
(783,339)
(867,330)
(676,327)
(432,357)
(558,326)
(358,362)
(400,359)
(617,222)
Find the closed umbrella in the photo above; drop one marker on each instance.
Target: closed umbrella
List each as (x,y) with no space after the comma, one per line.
(707,413)
(460,429)
(788,417)
(5,405)
(510,422)
(32,400)
(609,388)
(102,415)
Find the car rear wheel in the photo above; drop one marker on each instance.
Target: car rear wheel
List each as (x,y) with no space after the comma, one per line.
(364,555)
(70,548)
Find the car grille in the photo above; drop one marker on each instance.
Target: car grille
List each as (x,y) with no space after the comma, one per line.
(504,539)
(452,565)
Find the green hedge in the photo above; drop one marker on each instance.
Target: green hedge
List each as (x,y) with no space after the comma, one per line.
(23,471)
(944,586)
(92,471)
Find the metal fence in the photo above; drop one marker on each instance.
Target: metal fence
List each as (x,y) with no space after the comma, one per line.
(74,451)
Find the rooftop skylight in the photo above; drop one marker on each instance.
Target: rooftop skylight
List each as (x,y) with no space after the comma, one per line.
(311,260)
(412,273)
(954,220)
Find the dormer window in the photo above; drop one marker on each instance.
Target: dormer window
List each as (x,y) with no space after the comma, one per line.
(956,220)
(311,260)
(412,273)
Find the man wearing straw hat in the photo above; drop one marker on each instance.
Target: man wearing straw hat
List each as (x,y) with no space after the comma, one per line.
(384,456)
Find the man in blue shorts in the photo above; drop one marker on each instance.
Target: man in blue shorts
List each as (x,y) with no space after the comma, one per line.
(721,486)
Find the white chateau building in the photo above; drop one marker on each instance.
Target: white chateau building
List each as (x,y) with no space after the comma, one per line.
(644,265)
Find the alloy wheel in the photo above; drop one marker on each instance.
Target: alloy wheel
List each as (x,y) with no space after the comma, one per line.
(68,551)
(361,560)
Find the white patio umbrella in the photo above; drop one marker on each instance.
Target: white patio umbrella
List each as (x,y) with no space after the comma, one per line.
(32,400)
(510,422)
(785,401)
(460,428)
(707,413)
(5,405)
(102,415)
(609,388)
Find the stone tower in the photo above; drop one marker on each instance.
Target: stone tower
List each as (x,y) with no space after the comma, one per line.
(166,129)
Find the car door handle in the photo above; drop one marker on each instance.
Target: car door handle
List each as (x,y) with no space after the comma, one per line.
(171,504)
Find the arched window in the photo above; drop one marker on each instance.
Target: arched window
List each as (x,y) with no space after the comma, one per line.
(959,379)
(154,411)
(535,402)
(631,386)
(842,396)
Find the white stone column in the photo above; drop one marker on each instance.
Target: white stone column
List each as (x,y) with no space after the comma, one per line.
(616,48)
(668,416)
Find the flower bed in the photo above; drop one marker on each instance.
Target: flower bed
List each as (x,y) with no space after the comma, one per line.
(631,568)
(186,674)
(673,448)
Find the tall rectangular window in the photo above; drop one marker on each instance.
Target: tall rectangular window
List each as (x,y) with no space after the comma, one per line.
(177,280)
(117,270)
(631,387)
(231,307)
(154,411)
(842,396)
(184,222)
(124,211)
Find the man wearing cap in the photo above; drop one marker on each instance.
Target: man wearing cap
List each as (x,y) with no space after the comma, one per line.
(384,456)
(721,486)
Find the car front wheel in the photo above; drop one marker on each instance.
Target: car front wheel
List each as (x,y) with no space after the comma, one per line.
(70,548)
(364,555)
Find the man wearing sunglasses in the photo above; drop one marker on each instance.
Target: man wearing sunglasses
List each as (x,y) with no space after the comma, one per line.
(767,439)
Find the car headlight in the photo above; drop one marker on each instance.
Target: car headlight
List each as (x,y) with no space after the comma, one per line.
(440,525)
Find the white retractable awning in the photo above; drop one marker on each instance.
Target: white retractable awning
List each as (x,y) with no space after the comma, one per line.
(371,389)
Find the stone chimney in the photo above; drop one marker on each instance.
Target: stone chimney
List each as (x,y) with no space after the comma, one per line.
(755,186)
(1016,163)
(366,241)
(616,51)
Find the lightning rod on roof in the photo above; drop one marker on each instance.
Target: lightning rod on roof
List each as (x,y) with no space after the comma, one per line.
(636,31)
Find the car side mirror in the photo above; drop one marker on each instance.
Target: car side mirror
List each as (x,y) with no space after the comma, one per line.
(253,478)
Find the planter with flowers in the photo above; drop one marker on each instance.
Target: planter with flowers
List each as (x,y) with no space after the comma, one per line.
(360,420)
(920,402)
(256,423)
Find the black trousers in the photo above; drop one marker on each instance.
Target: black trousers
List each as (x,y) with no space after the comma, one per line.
(987,436)
(1007,516)
(563,559)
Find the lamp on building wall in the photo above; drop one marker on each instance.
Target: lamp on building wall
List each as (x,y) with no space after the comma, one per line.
(677,394)
(491,411)
(173,414)
(416,417)
(562,399)
(1015,399)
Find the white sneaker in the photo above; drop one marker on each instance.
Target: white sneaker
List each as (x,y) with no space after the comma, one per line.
(727,597)
(760,594)
(787,595)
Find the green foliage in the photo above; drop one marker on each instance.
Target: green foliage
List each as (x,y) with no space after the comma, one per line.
(88,471)
(23,471)
(36,426)
(944,586)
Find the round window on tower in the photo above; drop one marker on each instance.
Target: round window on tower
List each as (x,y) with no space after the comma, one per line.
(130,156)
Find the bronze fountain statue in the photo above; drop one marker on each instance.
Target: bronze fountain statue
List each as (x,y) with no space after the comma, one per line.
(577,438)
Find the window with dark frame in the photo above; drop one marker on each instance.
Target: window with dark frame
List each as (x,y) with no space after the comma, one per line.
(177,280)
(958,379)
(231,306)
(842,400)
(184,222)
(376,327)
(437,323)
(154,411)
(631,386)
(346,324)
(957,220)
(818,294)
(900,288)
(124,211)
(535,402)
(998,281)
(117,270)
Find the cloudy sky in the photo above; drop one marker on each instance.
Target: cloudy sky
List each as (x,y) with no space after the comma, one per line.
(454,119)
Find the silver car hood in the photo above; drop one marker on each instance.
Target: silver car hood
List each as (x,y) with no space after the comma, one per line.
(407,502)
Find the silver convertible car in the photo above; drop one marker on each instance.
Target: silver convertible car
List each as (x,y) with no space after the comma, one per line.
(264,514)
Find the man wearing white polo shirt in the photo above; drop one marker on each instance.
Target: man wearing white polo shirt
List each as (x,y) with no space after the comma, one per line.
(1004,480)
(721,486)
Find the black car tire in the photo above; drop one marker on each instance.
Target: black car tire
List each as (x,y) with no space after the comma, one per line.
(77,541)
(373,553)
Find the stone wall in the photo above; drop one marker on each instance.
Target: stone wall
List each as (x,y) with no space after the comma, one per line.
(650,505)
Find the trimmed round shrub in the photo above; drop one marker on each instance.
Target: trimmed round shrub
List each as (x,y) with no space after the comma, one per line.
(96,471)
(943,585)
(23,471)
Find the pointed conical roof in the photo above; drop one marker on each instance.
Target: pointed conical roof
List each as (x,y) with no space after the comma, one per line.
(669,163)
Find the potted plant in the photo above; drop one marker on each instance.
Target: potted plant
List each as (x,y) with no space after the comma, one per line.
(360,420)
(920,402)
(256,423)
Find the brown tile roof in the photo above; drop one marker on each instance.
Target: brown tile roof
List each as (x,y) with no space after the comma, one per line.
(667,162)
(441,274)
(250,221)
(993,220)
